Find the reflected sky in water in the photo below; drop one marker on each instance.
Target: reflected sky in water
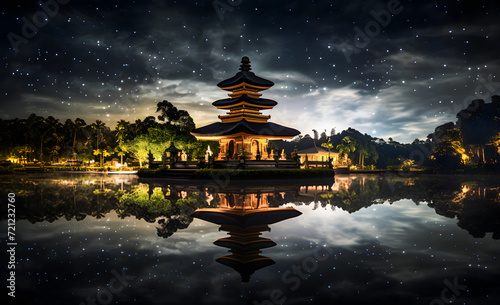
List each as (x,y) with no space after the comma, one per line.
(358,240)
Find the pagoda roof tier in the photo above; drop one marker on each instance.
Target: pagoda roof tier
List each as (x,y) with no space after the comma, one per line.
(245,99)
(245,77)
(246,218)
(250,244)
(245,267)
(268,130)
(236,116)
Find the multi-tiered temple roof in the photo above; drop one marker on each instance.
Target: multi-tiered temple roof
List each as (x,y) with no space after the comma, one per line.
(244,124)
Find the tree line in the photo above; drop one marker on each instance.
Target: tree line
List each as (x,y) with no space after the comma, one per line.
(47,140)
(473,141)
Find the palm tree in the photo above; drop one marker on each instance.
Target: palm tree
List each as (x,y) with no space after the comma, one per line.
(77,125)
(97,131)
(26,150)
(55,152)
(122,129)
(48,130)
(98,127)
(328,145)
(102,153)
(346,147)
(68,130)
(98,152)
(362,152)
(38,129)
(105,153)
(120,153)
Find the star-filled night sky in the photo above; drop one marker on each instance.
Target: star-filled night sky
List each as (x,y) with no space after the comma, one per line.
(385,67)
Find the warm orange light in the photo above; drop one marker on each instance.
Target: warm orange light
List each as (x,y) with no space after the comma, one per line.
(13,160)
(465,188)
(465,157)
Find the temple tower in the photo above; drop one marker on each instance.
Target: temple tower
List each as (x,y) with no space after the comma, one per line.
(244,132)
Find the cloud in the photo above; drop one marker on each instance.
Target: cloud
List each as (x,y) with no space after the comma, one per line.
(104,62)
(284,77)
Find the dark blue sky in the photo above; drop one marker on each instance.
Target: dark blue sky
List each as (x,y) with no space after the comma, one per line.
(336,64)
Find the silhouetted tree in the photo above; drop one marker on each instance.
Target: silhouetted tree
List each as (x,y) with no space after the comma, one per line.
(315,132)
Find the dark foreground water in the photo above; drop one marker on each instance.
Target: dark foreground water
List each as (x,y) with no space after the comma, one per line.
(92,239)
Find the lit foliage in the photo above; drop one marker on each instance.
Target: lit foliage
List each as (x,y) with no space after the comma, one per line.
(102,153)
(156,204)
(408,164)
(157,140)
(138,148)
(450,143)
(328,145)
(347,146)
(496,142)
(148,135)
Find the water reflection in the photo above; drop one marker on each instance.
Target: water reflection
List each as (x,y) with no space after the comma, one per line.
(474,201)
(245,215)
(385,233)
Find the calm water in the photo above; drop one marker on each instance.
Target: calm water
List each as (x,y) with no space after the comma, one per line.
(91,239)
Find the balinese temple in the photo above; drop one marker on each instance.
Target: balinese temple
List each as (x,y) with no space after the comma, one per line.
(244,131)
(245,216)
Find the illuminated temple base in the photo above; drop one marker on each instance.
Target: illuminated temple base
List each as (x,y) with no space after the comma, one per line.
(253,146)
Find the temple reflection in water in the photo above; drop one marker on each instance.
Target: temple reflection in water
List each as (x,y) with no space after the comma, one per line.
(245,216)
(75,227)
(473,201)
